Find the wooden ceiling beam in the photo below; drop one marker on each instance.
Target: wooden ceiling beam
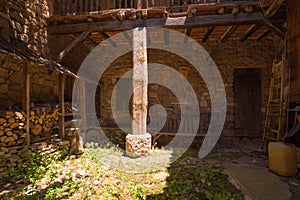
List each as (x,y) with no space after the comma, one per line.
(73,44)
(208,33)
(275,6)
(250,31)
(263,35)
(179,22)
(228,33)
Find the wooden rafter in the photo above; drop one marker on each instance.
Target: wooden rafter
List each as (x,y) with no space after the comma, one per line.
(208,33)
(250,31)
(73,44)
(263,35)
(228,33)
(179,22)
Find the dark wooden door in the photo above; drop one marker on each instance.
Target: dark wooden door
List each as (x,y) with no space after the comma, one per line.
(247,89)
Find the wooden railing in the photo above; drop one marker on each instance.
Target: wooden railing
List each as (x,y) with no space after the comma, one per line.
(74,7)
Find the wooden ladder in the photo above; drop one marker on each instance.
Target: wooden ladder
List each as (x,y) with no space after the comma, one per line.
(277,103)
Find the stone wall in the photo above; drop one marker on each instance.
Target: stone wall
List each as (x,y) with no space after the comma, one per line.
(227,56)
(43,81)
(23,23)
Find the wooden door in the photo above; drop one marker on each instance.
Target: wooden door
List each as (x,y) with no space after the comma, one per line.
(247,89)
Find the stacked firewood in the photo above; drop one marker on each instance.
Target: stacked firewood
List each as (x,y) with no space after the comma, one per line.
(42,122)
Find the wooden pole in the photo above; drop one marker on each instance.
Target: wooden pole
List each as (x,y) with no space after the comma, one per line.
(62,80)
(140,81)
(26,99)
(82,108)
(138,143)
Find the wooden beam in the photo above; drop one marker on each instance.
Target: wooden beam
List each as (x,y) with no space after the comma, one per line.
(179,22)
(263,35)
(250,31)
(275,27)
(208,33)
(228,33)
(62,81)
(71,46)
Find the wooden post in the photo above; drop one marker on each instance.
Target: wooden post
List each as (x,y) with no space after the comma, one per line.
(139,4)
(62,80)
(26,99)
(82,109)
(140,81)
(138,143)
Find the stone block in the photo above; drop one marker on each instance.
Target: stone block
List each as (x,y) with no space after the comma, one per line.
(138,145)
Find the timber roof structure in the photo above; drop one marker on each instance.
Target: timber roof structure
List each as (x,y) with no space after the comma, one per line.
(88,23)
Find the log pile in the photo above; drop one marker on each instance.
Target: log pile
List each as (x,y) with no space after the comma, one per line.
(43,123)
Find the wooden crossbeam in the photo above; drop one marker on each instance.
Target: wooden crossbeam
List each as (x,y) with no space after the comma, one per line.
(228,33)
(71,46)
(263,35)
(179,22)
(250,31)
(208,33)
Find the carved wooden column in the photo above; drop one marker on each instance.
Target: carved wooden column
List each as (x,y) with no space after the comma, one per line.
(138,143)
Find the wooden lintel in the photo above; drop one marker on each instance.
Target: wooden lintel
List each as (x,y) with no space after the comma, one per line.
(208,33)
(77,40)
(275,27)
(62,80)
(228,33)
(263,35)
(250,31)
(179,22)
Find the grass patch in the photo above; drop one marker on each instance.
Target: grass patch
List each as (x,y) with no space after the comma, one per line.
(85,177)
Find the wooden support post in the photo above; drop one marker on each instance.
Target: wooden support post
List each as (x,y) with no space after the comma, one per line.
(26,99)
(139,4)
(62,79)
(82,109)
(138,143)
(140,81)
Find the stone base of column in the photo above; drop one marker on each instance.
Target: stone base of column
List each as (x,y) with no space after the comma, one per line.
(138,145)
